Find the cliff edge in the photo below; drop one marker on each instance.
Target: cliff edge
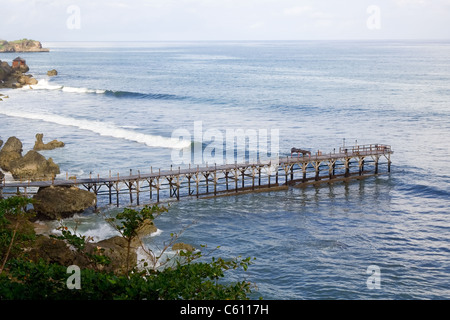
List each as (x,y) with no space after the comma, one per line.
(24,45)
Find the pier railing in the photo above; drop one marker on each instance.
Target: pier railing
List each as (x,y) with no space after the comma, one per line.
(365,148)
(218,180)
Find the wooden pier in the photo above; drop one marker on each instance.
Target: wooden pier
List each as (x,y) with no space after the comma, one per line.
(296,170)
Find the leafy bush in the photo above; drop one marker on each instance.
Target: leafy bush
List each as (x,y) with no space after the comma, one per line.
(183,279)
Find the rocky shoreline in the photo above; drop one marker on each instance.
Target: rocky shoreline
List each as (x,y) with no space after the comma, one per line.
(52,203)
(14,77)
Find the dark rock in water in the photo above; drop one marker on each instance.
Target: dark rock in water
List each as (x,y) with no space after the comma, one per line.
(62,202)
(26,79)
(116,248)
(40,145)
(10,153)
(147,228)
(52,73)
(33,166)
(2,175)
(183,246)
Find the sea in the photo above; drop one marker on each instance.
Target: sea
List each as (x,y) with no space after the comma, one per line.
(117,105)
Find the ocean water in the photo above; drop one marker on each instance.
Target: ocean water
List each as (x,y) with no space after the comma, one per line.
(116,106)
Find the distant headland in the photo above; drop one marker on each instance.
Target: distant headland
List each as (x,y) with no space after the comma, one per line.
(24,45)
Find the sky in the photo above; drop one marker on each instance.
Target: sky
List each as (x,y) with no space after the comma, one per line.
(192,20)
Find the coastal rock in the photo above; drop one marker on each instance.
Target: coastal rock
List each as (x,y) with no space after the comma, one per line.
(33,166)
(52,73)
(5,70)
(2,175)
(62,202)
(10,153)
(15,77)
(26,79)
(40,145)
(53,251)
(116,248)
(182,246)
(147,228)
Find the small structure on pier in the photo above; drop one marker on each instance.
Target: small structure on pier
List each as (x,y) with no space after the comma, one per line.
(298,151)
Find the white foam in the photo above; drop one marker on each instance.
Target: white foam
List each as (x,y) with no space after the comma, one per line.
(44,84)
(103,129)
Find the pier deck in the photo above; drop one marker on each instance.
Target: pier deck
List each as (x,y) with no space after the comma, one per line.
(218,180)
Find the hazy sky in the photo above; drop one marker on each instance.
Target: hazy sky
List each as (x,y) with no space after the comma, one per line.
(148,20)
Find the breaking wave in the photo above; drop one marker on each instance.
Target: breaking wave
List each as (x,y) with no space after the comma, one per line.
(103,129)
(44,84)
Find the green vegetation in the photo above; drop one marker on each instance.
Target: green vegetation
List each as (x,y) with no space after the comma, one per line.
(185,278)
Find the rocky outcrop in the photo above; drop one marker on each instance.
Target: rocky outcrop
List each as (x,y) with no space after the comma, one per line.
(5,70)
(10,153)
(182,246)
(14,78)
(24,45)
(115,248)
(34,166)
(61,202)
(26,79)
(58,251)
(147,228)
(52,73)
(53,250)
(40,145)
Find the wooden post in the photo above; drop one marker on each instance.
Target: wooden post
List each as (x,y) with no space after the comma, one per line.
(215,182)
(137,191)
(157,188)
(226,178)
(150,183)
(178,185)
(304,166)
(117,191)
(347,167)
(253,177)
(189,184)
(389,162)
(110,192)
(130,188)
(259,176)
(317,168)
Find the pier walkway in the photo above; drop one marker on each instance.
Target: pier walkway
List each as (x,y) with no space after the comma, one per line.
(218,180)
